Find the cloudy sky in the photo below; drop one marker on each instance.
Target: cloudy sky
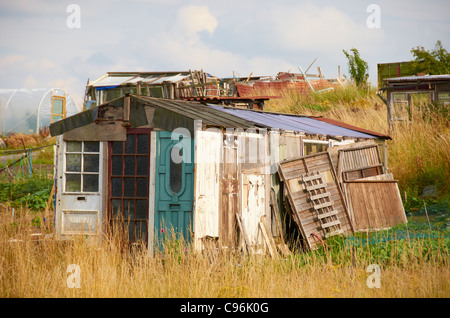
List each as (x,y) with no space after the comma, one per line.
(45,43)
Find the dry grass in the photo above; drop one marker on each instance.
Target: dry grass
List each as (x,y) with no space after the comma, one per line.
(38,268)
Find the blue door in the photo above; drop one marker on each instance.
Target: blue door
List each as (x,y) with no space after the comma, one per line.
(174,188)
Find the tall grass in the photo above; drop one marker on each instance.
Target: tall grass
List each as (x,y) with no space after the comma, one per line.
(419,152)
(38,268)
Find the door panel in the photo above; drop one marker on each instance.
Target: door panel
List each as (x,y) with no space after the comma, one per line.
(173,190)
(129,184)
(208,157)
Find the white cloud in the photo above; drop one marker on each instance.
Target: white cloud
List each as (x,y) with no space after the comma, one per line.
(309,27)
(11,59)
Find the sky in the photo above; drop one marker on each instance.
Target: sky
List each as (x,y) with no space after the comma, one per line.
(51,43)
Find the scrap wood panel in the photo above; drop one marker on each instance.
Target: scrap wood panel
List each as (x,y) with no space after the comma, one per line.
(315,198)
(374,204)
(356,163)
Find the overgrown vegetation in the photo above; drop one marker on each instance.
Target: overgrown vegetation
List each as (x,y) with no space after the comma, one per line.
(32,193)
(357,67)
(434,62)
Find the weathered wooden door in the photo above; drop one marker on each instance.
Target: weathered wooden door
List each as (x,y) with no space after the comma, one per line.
(79,188)
(174,187)
(128,184)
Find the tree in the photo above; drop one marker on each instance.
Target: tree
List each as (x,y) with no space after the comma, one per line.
(357,67)
(432,62)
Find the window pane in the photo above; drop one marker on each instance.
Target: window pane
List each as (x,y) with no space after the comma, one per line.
(141,187)
(142,141)
(130,144)
(91,146)
(128,187)
(117,147)
(128,209)
(91,163)
(141,231)
(90,183)
(73,146)
(116,187)
(129,165)
(141,209)
(73,182)
(73,163)
(175,175)
(57,106)
(116,209)
(130,230)
(56,118)
(142,165)
(117,165)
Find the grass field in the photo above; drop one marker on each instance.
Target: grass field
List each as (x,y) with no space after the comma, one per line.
(413,258)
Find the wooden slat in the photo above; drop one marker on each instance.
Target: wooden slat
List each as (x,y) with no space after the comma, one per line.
(311,178)
(269,241)
(320,196)
(315,187)
(329,224)
(322,205)
(327,214)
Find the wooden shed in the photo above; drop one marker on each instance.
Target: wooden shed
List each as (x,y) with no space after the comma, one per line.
(206,172)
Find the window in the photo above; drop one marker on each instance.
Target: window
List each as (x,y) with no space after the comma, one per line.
(58,108)
(314,146)
(82,166)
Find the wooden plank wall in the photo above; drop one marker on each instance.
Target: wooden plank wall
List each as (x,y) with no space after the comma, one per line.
(374,204)
(302,212)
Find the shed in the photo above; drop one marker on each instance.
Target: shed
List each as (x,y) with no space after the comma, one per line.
(206,172)
(403,93)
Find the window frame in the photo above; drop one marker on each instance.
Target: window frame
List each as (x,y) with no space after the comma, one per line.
(82,172)
(63,114)
(317,142)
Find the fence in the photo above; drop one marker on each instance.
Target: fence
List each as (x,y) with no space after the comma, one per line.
(18,164)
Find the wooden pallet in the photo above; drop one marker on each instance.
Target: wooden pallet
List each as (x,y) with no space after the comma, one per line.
(315,199)
(322,204)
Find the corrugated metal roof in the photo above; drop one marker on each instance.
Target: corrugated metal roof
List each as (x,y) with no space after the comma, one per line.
(295,123)
(112,81)
(168,79)
(218,116)
(198,111)
(419,78)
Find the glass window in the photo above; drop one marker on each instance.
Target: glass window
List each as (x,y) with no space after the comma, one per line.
(82,166)
(175,173)
(310,148)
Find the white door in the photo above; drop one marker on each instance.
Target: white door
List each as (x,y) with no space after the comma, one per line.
(208,156)
(79,188)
